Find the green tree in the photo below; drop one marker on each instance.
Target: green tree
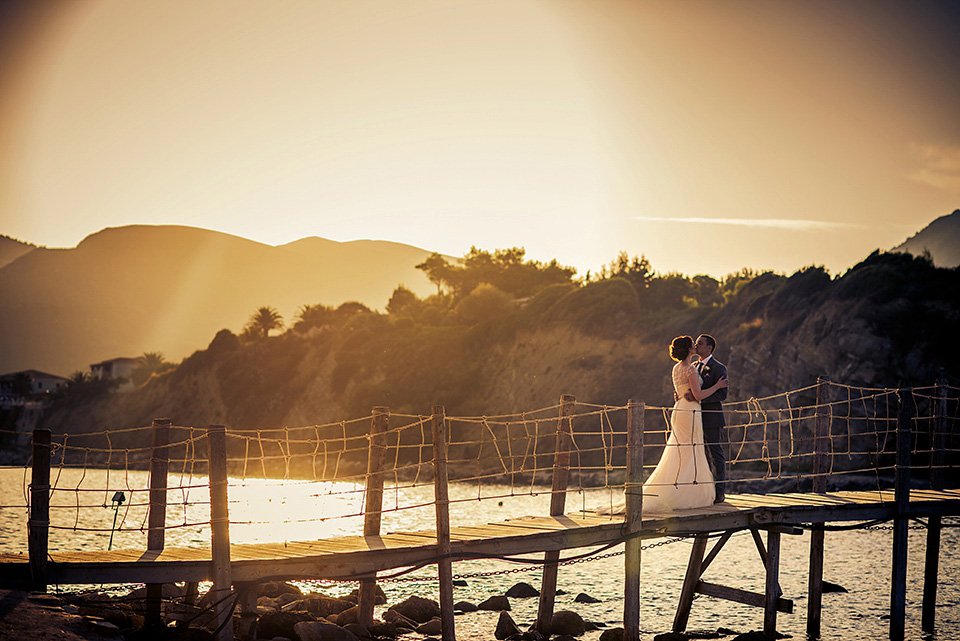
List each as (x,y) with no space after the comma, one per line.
(22,384)
(733,283)
(403,302)
(438,271)
(264,321)
(505,269)
(485,302)
(636,270)
(148,364)
(706,290)
(313,316)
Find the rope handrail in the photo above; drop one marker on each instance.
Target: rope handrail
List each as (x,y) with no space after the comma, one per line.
(770,441)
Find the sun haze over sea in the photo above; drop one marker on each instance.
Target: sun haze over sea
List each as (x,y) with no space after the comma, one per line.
(707,136)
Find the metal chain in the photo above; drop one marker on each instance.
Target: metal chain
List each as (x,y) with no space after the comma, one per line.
(532,568)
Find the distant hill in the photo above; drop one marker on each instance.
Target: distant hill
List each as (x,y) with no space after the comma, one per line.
(941,238)
(881,324)
(129,290)
(11,249)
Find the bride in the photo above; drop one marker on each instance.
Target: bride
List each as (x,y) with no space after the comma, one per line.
(682,479)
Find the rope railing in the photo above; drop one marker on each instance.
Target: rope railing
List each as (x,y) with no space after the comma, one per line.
(317,474)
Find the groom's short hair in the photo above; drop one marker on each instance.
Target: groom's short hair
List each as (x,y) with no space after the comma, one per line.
(711,341)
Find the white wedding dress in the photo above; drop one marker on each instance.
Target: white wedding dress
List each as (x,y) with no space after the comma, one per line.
(682,479)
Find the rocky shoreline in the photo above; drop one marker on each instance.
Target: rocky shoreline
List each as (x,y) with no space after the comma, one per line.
(284,613)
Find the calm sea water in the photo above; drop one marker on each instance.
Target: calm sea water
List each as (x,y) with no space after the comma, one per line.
(273,510)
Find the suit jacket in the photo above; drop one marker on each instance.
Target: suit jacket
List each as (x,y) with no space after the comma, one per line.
(711,373)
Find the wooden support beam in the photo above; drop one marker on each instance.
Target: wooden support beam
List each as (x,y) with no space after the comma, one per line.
(694,570)
(367,596)
(157,515)
(444,565)
(715,550)
(561,472)
(773,590)
(931,566)
(742,596)
(815,584)
(898,582)
(39,520)
(633,495)
(820,454)
(220,530)
(248,612)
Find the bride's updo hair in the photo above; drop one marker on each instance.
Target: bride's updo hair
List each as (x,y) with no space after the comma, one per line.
(680,347)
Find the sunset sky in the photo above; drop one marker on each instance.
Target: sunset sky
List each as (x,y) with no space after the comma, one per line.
(707,136)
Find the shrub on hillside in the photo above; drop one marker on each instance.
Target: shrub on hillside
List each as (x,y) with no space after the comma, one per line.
(484,303)
(603,307)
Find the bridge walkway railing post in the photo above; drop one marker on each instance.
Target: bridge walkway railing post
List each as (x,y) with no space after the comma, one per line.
(38,532)
(898,581)
(444,563)
(220,530)
(157,515)
(633,493)
(938,443)
(821,446)
(373,510)
(558,497)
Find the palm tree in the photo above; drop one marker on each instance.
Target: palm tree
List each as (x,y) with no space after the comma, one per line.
(148,364)
(151,361)
(264,320)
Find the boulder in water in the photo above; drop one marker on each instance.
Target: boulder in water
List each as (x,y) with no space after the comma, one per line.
(613,634)
(417,609)
(495,603)
(506,627)
(567,622)
(465,606)
(523,591)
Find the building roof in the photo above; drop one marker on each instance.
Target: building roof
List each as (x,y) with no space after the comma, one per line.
(34,374)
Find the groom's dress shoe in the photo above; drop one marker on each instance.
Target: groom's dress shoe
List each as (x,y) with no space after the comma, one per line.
(720,498)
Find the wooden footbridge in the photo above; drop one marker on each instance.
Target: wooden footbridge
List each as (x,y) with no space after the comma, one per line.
(795,443)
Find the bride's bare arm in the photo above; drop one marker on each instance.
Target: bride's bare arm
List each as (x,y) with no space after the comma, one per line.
(700,394)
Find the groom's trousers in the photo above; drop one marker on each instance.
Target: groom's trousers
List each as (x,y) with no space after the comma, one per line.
(714,437)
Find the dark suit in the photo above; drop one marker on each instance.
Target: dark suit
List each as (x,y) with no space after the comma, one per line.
(714,436)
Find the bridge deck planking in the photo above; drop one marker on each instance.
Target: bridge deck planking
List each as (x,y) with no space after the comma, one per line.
(344,556)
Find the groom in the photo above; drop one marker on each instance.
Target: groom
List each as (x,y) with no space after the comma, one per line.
(711,370)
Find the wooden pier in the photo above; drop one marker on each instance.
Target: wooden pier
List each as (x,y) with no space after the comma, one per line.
(362,556)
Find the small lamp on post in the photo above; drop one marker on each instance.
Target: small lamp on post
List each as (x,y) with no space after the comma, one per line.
(117,500)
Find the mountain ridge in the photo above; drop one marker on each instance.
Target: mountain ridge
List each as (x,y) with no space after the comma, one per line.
(127,290)
(941,238)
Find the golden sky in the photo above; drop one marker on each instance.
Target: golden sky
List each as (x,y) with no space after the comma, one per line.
(707,136)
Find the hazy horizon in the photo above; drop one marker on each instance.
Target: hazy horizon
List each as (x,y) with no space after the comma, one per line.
(580,273)
(707,137)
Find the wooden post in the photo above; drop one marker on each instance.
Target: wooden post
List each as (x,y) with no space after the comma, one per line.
(931,567)
(633,494)
(773,584)
(220,529)
(367,597)
(39,523)
(157,515)
(248,612)
(690,580)
(558,498)
(898,583)
(444,565)
(821,444)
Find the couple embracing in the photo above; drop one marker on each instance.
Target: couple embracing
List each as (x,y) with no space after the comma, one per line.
(691,470)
